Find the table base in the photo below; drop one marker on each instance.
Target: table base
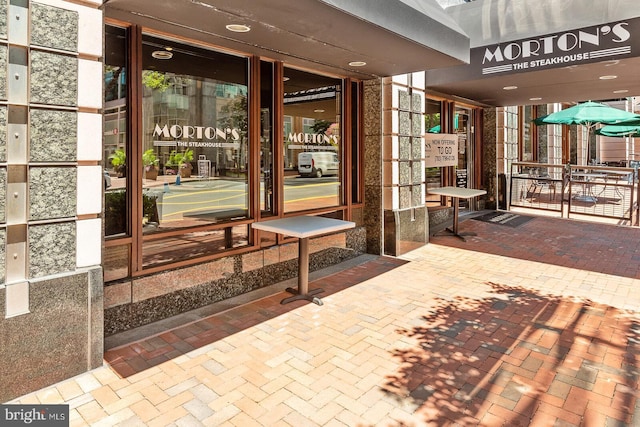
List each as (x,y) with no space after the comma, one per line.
(458,235)
(309,296)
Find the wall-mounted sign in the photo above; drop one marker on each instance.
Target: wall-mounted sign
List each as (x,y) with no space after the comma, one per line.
(440,149)
(583,45)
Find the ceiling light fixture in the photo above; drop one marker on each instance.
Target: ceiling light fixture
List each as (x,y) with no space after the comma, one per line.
(357,63)
(621,91)
(510,87)
(162,54)
(238,28)
(535,99)
(318,110)
(610,77)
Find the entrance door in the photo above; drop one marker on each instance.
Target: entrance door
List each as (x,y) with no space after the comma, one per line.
(464,172)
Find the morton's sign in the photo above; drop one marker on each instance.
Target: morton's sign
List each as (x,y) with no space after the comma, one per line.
(591,44)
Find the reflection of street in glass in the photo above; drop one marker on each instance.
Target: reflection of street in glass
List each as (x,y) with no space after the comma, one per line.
(197,201)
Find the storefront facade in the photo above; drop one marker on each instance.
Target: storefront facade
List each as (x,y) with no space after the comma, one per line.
(171,139)
(141,141)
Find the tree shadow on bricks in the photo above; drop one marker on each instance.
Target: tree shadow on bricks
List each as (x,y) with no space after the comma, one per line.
(520,358)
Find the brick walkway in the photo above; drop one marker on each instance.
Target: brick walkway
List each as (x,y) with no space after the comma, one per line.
(535,325)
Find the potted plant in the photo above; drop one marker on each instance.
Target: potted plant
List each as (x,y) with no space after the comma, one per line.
(150,163)
(182,161)
(119,162)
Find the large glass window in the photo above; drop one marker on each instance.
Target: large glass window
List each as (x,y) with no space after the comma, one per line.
(194,135)
(195,149)
(312,141)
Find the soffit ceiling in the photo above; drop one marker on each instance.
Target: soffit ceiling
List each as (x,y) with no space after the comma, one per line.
(570,84)
(391,36)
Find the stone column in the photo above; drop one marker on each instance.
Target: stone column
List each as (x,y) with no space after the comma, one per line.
(51,193)
(394,164)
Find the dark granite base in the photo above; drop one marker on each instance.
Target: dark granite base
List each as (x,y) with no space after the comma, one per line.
(124,317)
(57,339)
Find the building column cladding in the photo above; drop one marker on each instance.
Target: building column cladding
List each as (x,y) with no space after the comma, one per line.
(51,286)
(494,179)
(406,219)
(373,210)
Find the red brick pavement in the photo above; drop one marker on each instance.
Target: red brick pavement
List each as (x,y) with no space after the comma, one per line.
(536,325)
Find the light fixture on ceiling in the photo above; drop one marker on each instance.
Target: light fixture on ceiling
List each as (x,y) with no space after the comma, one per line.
(357,64)
(510,87)
(285,79)
(537,98)
(609,77)
(318,110)
(238,28)
(162,54)
(621,91)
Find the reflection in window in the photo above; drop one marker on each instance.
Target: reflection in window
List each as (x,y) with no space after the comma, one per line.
(312,141)
(433,125)
(194,136)
(115,133)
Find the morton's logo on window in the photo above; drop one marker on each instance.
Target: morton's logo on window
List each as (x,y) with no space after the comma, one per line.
(195,136)
(591,44)
(312,141)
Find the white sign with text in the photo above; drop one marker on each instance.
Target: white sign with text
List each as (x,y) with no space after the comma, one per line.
(441,149)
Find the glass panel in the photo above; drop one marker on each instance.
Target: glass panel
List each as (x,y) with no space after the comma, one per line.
(312,141)
(527,149)
(196,244)
(194,135)
(355,144)
(115,133)
(267,207)
(433,125)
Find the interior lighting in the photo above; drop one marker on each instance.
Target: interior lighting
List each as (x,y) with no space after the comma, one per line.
(510,87)
(318,110)
(621,91)
(357,63)
(238,28)
(162,54)
(610,77)
(535,99)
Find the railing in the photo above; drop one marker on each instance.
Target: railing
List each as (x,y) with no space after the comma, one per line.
(600,191)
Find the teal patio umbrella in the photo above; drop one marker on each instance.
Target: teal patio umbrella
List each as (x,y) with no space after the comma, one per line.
(589,114)
(620,131)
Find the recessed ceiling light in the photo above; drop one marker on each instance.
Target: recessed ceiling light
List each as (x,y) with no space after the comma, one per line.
(162,54)
(318,110)
(535,99)
(285,79)
(621,91)
(357,63)
(238,28)
(608,77)
(510,87)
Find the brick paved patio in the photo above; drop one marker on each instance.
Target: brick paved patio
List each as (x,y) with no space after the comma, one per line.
(535,325)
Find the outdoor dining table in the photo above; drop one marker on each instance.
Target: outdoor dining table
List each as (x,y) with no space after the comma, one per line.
(457,193)
(586,179)
(303,227)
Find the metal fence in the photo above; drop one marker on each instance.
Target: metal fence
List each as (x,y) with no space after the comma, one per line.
(601,191)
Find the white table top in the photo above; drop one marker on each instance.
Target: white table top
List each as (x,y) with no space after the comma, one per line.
(465,193)
(303,226)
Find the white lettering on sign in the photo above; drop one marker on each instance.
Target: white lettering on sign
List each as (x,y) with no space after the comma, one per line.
(440,150)
(564,48)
